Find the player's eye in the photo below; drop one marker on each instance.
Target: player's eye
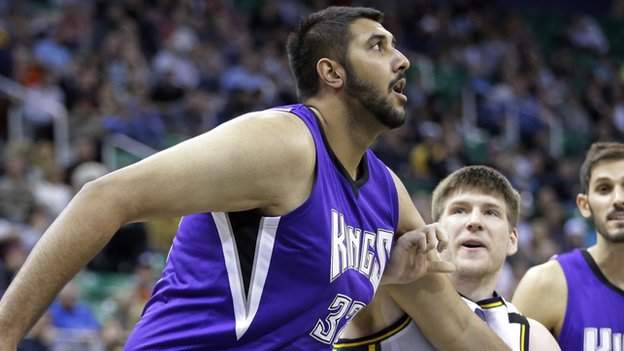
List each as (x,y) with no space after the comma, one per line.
(458,210)
(492,213)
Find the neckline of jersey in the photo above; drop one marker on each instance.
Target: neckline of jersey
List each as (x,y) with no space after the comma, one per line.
(489,302)
(363,167)
(598,272)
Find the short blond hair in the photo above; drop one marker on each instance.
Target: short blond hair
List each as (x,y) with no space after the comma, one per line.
(480,178)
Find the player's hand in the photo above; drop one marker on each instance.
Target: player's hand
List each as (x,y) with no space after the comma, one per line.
(415,254)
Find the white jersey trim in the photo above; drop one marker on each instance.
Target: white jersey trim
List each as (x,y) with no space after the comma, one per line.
(246,305)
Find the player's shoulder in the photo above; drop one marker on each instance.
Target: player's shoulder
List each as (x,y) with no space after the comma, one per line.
(548,275)
(542,293)
(279,120)
(279,128)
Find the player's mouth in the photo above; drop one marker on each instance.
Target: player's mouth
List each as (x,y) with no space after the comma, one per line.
(473,245)
(398,88)
(616,216)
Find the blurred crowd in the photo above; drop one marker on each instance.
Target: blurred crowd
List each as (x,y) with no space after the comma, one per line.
(522,90)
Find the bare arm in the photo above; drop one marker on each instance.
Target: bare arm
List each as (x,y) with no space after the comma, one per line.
(434,304)
(243,164)
(413,255)
(380,313)
(542,295)
(540,338)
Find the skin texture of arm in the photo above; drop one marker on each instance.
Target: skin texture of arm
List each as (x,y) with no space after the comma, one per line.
(540,338)
(243,164)
(407,263)
(542,295)
(434,304)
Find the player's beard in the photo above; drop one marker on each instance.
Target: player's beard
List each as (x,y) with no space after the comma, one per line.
(372,100)
(615,236)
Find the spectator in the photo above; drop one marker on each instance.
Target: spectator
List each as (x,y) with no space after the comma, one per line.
(75,325)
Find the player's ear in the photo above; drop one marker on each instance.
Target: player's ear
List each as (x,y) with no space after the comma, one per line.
(582,202)
(512,248)
(331,73)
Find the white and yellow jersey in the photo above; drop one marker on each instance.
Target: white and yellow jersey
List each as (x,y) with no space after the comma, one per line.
(500,315)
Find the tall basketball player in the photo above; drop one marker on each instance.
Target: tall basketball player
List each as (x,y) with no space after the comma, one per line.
(579,295)
(478,208)
(288,216)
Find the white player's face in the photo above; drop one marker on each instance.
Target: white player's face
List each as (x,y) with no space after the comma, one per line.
(480,235)
(605,200)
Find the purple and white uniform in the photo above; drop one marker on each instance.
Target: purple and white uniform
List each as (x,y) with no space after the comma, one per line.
(248,282)
(594,317)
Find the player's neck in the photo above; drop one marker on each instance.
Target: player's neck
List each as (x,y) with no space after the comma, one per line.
(348,139)
(475,288)
(610,258)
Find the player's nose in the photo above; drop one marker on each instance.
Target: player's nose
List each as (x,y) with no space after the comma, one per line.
(618,201)
(474,221)
(401,62)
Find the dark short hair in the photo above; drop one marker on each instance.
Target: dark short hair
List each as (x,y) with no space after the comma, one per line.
(480,178)
(598,152)
(322,34)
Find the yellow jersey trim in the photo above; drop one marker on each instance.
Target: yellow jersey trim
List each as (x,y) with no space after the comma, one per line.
(492,304)
(371,342)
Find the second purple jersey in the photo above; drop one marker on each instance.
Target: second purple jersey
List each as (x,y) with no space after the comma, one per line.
(247,282)
(594,317)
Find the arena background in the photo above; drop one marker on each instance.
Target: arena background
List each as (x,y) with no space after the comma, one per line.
(90,86)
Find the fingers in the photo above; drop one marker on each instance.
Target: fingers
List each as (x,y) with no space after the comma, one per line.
(432,237)
(421,242)
(442,237)
(435,264)
(440,267)
(413,240)
(425,239)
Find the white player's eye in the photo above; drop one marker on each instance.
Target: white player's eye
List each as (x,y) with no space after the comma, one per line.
(458,210)
(492,213)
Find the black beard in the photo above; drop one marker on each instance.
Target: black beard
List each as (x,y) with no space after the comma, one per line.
(372,101)
(601,229)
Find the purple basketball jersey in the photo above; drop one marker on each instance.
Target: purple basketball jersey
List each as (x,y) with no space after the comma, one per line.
(594,317)
(247,282)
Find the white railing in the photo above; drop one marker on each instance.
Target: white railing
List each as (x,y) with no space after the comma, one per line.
(17,131)
(511,132)
(125,143)
(57,110)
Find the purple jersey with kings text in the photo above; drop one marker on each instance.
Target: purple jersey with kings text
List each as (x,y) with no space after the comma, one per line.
(594,317)
(247,282)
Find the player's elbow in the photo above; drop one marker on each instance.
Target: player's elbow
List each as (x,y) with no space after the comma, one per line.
(108,198)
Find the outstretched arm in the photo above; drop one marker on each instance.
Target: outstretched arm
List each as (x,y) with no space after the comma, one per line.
(434,304)
(243,164)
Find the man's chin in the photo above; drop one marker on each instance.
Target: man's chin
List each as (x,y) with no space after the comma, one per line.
(615,237)
(396,119)
(471,266)
(473,272)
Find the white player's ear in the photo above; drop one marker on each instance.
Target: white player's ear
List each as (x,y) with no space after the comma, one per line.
(331,73)
(582,202)
(512,248)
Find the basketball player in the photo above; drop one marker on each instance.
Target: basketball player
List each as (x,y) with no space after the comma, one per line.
(288,216)
(579,295)
(478,208)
